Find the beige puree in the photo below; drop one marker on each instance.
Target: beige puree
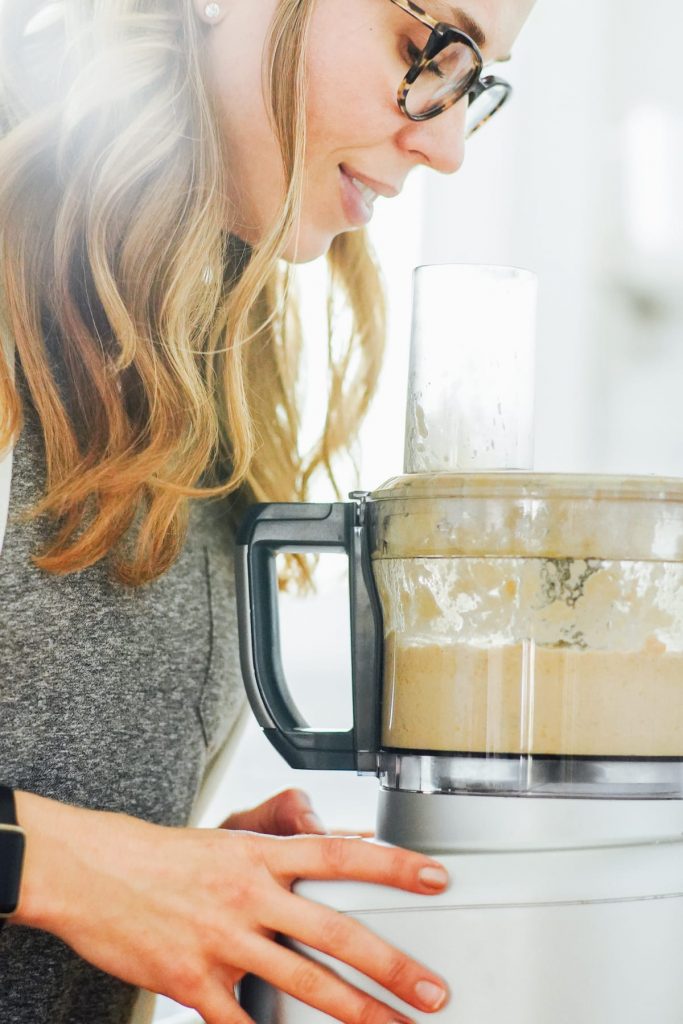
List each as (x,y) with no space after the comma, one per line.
(525,699)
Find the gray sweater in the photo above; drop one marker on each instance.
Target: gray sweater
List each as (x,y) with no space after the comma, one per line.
(111,699)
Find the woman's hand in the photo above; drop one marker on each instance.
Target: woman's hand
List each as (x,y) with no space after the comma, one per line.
(188,912)
(290,813)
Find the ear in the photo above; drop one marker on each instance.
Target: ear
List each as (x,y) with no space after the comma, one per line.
(211,12)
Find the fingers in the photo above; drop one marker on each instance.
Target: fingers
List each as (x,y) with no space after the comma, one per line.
(350,833)
(287,814)
(318,986)
(220,1007)
(334,857)
(347,940)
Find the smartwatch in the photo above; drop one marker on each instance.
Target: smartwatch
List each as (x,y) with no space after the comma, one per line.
(12,842)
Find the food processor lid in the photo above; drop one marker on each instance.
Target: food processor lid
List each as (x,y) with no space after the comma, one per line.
(516,484)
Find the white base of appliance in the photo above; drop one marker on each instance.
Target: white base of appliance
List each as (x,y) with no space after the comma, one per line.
(563,929)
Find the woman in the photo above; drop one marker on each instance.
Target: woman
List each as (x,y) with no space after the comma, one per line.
(159,159)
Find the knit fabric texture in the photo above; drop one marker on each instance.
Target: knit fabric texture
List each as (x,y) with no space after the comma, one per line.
(111,698)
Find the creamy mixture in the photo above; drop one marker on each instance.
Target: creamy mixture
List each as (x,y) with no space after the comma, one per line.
(525,699)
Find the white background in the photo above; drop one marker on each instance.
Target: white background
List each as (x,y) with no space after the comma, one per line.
(581,180)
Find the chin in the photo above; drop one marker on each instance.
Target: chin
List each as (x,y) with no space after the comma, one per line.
(311,245)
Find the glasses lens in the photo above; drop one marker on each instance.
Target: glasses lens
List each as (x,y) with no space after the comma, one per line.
(483,106)
(449,73)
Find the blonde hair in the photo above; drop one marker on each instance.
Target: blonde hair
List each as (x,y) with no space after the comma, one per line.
(140,324)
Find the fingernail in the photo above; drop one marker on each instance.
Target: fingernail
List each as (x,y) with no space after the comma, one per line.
(430,995)
(434,877)
(311,823)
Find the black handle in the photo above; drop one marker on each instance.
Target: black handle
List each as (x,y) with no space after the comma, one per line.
(265,531)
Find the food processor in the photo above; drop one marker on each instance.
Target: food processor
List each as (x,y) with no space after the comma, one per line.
(517,676)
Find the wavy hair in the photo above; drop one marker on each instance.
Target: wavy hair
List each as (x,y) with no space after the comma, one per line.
(160,354)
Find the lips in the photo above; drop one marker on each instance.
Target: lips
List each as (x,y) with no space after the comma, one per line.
(358,194)
(356,201)
(378,187)
(368,194)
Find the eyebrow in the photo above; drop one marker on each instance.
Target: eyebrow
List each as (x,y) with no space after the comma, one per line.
(467,23)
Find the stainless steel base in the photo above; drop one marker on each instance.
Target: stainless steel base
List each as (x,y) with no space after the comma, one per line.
(443,823)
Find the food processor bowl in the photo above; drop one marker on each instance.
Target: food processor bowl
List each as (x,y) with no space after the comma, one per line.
(533,633)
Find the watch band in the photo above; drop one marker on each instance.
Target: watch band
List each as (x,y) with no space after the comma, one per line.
(12,842)
(8,807)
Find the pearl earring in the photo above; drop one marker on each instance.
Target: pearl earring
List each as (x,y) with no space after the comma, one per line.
(212,11)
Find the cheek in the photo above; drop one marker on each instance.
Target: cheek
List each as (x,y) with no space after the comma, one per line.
(255,186)
(351,89)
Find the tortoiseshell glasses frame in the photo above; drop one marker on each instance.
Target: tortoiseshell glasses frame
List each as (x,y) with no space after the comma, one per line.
(473,86)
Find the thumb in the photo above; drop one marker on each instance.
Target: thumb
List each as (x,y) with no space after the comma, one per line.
(287,814)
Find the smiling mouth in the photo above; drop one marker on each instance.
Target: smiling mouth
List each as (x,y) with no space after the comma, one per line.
(358,195)
(357,199)
(362,181)
(368,194)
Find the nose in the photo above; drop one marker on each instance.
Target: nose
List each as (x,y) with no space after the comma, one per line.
(439,142)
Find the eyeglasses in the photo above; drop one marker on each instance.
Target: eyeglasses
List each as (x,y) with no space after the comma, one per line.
(445,71)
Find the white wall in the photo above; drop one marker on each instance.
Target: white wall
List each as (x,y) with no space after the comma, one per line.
(526,197)
(637,366)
